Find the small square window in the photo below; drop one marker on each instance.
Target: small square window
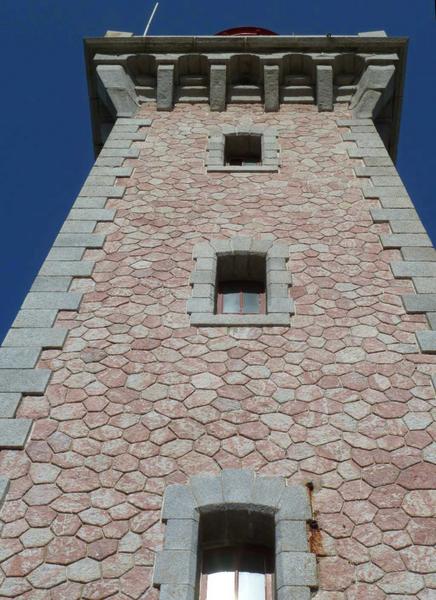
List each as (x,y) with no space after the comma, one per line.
(239,282)
(243,149)
(233,150)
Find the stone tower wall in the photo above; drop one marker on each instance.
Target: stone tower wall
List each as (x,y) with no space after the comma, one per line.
(138,399)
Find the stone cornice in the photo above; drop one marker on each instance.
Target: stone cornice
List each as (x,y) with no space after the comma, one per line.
(367,72)
(277,43)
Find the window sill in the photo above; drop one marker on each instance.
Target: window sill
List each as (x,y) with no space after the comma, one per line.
(243,169)
(212,320)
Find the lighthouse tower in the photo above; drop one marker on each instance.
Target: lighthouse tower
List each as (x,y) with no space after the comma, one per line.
(219,386)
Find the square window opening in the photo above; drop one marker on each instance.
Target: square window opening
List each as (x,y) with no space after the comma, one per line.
(241,284)
(243,149)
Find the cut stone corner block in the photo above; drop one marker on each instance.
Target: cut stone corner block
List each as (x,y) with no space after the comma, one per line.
(427,341)
(25,381)
(9,403)
(34,336)
(4,486)
(14,433)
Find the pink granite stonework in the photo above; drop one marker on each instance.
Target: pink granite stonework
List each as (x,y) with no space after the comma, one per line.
(139,399)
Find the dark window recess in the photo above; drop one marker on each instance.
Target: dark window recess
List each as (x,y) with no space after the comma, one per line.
(241,150)
(241,284)
(237,556)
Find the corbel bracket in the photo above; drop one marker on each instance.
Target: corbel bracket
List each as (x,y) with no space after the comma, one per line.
(374,91)
(116,90)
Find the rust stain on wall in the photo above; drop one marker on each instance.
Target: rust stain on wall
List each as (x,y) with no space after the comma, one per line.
(315,539)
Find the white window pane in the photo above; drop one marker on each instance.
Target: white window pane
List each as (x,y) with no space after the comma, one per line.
(251,302)
(251,586)
(221,586)
(231,302)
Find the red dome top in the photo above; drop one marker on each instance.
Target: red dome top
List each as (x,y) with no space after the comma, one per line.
(246,31)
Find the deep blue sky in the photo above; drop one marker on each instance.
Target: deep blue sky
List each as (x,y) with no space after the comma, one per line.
(45,142)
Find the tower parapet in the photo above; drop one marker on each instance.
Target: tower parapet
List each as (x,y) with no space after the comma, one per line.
(365,73)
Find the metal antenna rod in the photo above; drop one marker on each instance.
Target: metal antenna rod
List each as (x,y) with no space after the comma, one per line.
(151,18)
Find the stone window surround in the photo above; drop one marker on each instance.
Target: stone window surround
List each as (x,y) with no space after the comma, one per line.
(216,147)
(176,571)
(201,305)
